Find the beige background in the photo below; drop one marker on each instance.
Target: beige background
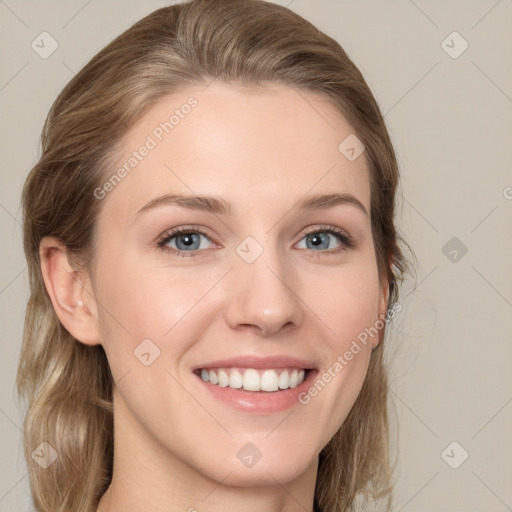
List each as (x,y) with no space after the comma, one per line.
(451,122)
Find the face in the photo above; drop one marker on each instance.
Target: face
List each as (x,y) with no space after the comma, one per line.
(262,286)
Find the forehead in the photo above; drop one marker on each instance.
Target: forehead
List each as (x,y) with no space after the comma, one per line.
(255,147)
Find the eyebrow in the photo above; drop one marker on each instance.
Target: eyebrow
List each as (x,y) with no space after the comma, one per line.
(219,206)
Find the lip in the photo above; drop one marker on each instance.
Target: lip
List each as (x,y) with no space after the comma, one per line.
(258,363)
(258,402)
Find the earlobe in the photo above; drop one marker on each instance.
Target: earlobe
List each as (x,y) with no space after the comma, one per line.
(67,287)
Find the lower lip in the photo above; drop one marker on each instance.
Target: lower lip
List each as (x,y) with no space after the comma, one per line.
(260,402)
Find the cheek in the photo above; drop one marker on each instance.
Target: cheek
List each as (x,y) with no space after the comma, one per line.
(139,303)
(347,301)
(348,306)
(142,301)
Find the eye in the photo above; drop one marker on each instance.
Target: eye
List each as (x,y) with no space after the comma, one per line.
(184,240)
(322,238)
(188,241)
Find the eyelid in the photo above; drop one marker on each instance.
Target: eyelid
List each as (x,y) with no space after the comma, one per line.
(330,229)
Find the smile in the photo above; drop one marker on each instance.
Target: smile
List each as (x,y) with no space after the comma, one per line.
(251,379)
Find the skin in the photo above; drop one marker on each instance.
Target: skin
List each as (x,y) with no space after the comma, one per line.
(261,149)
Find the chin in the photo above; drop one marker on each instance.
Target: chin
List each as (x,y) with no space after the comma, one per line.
(253,467)
(262,474)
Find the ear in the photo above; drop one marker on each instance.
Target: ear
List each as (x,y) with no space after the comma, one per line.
(383,307)
(70,291)
(384,299)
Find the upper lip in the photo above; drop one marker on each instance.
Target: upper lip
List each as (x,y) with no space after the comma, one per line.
(280,361)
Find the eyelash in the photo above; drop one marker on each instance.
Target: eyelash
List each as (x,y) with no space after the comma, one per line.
(346,240)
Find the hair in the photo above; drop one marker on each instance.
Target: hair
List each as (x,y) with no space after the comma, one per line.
(68,385)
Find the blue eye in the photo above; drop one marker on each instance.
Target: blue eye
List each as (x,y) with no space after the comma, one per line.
(183,240)
(321,239)
(187,242)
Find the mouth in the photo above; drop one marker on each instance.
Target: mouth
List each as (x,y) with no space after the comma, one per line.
(256,385)
(268,380)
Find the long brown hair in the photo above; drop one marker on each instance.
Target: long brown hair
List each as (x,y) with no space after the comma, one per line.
(68,385)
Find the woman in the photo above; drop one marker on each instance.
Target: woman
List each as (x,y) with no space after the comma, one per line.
(213,258)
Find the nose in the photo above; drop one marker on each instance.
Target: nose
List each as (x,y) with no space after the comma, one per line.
(262,296)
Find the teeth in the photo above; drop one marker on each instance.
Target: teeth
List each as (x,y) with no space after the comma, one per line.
(254,380)
(251,380)
(294,377)
(213,377)
(223,378)
(236,381)
(269,381)
(284,381)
